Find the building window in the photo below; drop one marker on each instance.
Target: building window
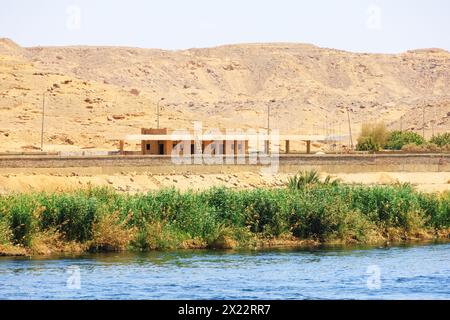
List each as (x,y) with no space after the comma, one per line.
(147,146)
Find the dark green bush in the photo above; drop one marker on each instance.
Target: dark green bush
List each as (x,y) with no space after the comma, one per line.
(228,206)
(398,139)
(367,144)
(19,214)
(72,214)
(441,140)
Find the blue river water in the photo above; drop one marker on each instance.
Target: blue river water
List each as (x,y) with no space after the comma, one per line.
(406,272)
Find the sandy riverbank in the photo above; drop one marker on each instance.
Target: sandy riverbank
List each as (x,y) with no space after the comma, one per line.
(133,182)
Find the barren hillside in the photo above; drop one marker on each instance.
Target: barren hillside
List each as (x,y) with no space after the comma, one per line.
(95,93)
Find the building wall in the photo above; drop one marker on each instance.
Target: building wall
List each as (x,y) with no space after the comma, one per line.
(188,147)
(152,147)
(327,163)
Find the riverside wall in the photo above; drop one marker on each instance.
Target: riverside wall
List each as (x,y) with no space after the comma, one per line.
(286,163)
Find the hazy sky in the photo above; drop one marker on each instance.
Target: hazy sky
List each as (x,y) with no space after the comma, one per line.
(354,25)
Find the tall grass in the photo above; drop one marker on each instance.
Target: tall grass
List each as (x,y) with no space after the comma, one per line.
(373,137)
(101,219)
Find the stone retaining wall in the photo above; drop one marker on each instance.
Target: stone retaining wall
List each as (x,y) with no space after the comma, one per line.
(287,163)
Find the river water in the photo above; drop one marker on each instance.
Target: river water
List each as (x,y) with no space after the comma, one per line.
(407,272)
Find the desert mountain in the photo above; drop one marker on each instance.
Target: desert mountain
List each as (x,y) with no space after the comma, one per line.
(95,93)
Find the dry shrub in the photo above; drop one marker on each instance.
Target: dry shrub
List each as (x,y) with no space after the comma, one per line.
(412,147)
(224,239)
(429,147)
(373,137)
(110,233)
(9,250)
(414,222)
(46,242)
(162,236)
(51,241)
(193,244)
(6,246)
(223,242)
(443,233)
(6,234)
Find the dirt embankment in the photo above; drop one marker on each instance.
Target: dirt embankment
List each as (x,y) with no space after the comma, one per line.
(133,182)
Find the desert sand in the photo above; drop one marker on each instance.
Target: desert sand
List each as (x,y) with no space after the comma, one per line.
(95,94)
(142,182)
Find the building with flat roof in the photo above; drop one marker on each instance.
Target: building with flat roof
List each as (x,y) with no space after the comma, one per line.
(161,142)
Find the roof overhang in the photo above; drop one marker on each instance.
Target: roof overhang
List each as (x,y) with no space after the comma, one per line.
(228,137)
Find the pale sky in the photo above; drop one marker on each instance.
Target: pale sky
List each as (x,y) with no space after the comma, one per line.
(385,26)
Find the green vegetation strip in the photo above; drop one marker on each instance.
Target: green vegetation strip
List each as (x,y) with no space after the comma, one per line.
(306,210)
(376,137)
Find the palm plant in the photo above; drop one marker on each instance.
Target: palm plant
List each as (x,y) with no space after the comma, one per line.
(309,178)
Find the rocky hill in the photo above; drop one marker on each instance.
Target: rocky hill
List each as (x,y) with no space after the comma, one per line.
(95,93)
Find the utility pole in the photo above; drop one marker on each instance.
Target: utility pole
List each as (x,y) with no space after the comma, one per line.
(423,121)
(433,123)
(268,125)
(350,128)
(42,126)
(157,113)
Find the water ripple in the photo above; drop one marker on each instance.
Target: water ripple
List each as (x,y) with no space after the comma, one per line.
(420,272)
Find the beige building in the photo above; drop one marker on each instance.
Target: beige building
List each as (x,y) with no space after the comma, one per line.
(161,142)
